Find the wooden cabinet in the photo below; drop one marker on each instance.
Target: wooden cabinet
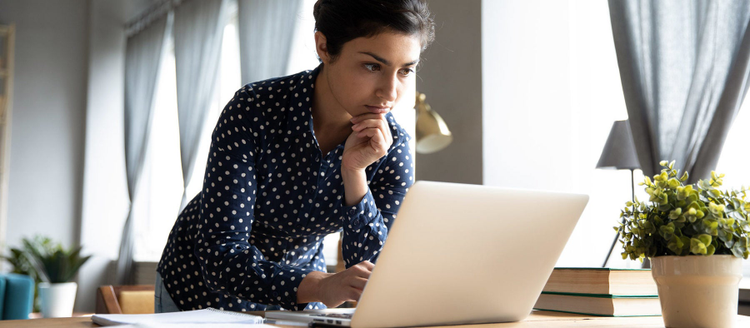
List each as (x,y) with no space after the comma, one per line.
(7,33)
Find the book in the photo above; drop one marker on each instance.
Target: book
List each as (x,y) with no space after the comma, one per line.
(603,281)
(204,316)
(599,304)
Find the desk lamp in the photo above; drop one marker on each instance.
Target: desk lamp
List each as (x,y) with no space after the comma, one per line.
(619,153)
(432,132)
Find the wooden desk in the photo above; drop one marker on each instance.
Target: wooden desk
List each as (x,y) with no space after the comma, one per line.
(536,319)
(38,315)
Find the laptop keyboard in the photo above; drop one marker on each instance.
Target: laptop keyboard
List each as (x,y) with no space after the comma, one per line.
(337,315)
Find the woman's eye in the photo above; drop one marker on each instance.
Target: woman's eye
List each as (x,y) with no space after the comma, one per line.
(407,71)
(372,67)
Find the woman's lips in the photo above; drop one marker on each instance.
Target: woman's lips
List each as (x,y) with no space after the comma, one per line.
(378,109)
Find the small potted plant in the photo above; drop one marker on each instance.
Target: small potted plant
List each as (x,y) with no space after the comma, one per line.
(18,259)
(696,237)
(53,268)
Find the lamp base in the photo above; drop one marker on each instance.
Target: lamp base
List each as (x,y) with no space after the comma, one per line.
(646,263)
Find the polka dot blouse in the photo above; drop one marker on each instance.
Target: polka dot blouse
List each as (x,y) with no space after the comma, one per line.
(269,196)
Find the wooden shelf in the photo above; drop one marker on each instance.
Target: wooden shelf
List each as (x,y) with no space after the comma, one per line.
(7,45)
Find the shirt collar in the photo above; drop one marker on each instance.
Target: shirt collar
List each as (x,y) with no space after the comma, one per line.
(301,92)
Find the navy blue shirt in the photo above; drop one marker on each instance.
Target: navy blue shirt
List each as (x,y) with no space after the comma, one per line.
(269,197)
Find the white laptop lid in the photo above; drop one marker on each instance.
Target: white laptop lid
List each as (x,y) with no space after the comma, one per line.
(460,254)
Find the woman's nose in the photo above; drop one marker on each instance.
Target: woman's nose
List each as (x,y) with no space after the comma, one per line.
(388,89)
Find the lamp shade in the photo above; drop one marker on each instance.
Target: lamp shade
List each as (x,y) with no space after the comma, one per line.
(619,151)
(432,132)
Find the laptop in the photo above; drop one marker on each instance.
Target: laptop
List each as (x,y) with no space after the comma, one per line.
(460,254)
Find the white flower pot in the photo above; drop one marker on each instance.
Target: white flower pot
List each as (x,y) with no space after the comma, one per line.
(698,291)
(57,299)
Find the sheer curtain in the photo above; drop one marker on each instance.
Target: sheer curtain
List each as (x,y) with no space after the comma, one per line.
(198,32)
(266,30)
(142,60)
(684,72)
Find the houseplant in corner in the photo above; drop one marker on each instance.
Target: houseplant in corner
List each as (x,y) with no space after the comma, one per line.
(696,237)
(55,267)
(18,258)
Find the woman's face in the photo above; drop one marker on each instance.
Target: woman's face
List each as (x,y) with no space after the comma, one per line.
(371,74)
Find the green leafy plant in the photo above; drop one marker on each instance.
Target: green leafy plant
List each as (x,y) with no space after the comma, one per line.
(55,264)
(19,260)
(679,219)
(45,261)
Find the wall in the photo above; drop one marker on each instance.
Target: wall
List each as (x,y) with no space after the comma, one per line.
(451,77)
(68,98)
(48,123)
(105,196)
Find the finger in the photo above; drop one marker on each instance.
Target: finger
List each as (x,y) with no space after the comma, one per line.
(354,294)
(366,116)
(367,264)
(379,121)
(381,124)
(386,128)
(362,269)
(358,282)
(335,304)
(369,132)
(370,123)
(377,141)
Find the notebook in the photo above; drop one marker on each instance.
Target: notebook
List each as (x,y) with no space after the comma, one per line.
(461,254)
(195,317)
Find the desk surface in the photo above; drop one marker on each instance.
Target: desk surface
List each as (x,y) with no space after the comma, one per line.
(536,319)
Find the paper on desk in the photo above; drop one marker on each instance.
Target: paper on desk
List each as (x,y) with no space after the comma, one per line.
(183,319)
(195,325)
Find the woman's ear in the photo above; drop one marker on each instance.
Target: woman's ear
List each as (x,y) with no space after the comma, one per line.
(321,47)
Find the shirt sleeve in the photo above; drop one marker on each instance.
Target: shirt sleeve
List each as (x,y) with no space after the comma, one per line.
(229,263)
(367,223)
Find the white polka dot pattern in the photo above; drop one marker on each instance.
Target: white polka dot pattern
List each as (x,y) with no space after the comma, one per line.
(269,196)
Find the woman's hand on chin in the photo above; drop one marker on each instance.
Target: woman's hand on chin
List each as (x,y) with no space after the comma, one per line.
(369,141)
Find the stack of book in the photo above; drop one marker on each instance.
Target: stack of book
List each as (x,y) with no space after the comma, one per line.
(601,291)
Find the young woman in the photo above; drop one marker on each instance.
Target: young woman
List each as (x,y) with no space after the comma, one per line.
(296,158)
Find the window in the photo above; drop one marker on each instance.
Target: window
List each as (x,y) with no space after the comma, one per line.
(163,175)
(161,186)
(162,180)
(551,77)
(733,160)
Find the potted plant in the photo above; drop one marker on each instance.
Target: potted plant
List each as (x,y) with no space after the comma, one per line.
(53,268)
(696,237)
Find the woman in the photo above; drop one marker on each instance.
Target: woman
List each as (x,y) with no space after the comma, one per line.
(295,158)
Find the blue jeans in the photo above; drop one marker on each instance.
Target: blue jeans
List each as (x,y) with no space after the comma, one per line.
(162,301)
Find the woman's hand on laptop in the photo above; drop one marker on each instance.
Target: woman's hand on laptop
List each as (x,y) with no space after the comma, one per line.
(333,289)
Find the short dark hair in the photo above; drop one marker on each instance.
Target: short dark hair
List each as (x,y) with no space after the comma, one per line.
(344,20)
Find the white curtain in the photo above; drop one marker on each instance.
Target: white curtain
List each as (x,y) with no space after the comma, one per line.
(198,32)
(142,61)
(266,29)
